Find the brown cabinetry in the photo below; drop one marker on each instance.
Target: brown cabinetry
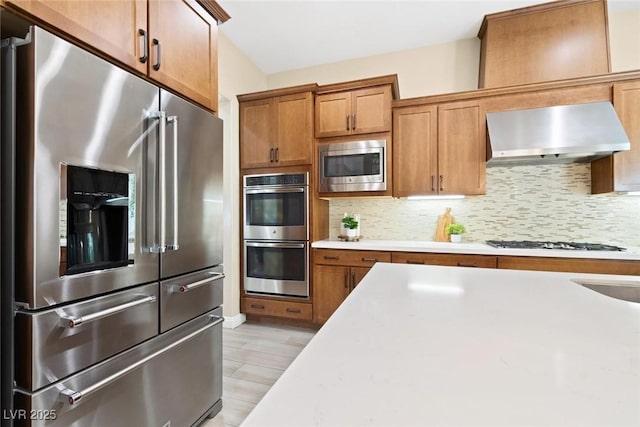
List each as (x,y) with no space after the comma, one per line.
(621,171)
(557,40)
(575,265)
(335,274)
(173,42)
(354,112)
(452,260)
(278,308)
(439,149)
(276,130)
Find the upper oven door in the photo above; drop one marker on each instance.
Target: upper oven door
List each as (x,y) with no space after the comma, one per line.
(352,166)
(87,149)
(276,213)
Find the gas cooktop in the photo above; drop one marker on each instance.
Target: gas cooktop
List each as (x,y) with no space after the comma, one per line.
(573,246)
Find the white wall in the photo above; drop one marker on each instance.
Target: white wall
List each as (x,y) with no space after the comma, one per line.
(237,75)
(624,40)
(429,70)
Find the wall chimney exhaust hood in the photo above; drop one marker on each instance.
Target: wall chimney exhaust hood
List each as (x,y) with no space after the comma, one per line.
(560,134)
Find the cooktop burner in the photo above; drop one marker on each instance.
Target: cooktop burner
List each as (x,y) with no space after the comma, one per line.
(573,246)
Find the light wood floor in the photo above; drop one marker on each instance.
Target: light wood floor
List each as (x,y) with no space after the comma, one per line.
(254,357)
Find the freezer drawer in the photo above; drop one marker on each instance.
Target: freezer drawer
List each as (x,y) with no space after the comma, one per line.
(56,343)
(185,297)
(172,380)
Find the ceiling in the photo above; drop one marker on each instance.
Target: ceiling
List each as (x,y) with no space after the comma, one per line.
(285,35)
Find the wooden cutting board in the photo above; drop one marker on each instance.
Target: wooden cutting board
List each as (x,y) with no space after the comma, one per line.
(443,221)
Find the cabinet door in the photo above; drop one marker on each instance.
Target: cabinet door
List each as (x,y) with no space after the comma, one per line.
(294,129)
(415,150)
(331,285)
(461,148)
(357,274)
(183,40)
(109,26)
(333,114)
(626,164)
(371,110)
(256,133)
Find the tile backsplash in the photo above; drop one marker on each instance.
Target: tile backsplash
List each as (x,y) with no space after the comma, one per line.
(550,202)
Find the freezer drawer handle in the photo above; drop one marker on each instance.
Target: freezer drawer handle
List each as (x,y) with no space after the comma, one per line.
(191,286)
(75,321)
(72,397)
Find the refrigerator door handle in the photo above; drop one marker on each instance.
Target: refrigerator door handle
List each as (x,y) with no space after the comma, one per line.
(160,236)
(191,286)
(75,321)
(73,397)
(172,245)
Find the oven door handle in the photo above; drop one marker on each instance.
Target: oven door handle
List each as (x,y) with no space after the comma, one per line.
(275,245)
(71,322)
(73,397)
(191,286)
(275,190)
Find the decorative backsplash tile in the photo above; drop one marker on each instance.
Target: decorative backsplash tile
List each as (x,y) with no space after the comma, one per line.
(550,202)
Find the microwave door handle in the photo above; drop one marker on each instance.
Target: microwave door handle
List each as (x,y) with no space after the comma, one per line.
(172,245)
(275,245)
(275,190)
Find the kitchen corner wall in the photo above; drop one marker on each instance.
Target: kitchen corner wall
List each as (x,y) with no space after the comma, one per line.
(551,202)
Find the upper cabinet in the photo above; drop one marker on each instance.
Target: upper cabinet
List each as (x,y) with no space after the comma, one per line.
(276,127)
(552,41)
(621,171)
(354,108)
(439,149)
(174,42)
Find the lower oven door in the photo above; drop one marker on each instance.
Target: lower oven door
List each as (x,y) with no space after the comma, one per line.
(276,268)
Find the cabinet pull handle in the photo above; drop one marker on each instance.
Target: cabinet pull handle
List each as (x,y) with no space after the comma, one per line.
(271,155)
(293,310)
(370,259)
(353,124)
(409,261)
(145,46)
(331,257)
(346,280)
(156,43)
(462,264)
(258,306)
(441,182)
(353,281)
(433,187)
(277,155)
(348,127)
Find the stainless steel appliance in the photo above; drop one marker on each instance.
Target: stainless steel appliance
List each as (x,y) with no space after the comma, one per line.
(573,246)
(118,263)
(276,233)
(353,166)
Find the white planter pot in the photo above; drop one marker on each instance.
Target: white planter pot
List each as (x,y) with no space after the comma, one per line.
(455,238)
(351,232)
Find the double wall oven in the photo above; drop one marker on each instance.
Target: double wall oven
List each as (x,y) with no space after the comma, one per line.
(276,234)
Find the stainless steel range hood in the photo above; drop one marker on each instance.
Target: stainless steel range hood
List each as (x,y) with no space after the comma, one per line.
(560,134)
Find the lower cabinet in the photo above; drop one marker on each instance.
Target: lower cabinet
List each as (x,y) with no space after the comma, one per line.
(335,274)
(278,308)
(453,260)
(571,265)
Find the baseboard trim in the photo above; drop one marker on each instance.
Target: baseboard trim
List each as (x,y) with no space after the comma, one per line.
(233,322)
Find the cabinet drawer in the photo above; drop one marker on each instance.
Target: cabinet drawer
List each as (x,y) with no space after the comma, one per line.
(292,310)
(351,258)
(571,265)
(455,260)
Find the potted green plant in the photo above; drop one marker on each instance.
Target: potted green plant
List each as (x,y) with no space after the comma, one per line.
(350,225)
(455,230)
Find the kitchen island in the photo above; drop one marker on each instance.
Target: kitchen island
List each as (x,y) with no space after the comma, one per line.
(447,346)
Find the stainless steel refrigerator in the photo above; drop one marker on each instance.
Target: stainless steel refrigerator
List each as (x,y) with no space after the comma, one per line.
(118,244)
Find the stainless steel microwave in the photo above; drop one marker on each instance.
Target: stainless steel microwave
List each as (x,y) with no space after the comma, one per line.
(353,166)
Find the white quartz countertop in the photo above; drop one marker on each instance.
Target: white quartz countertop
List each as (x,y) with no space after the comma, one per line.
(418,345)
(632,254)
